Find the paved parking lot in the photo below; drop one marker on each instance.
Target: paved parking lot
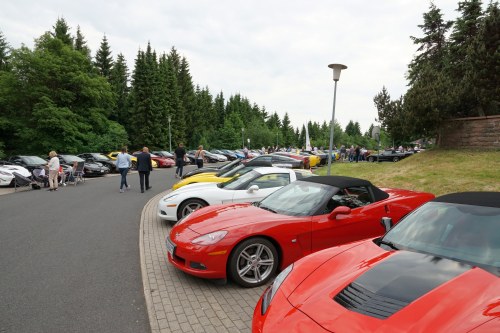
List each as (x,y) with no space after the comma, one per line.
(178,302)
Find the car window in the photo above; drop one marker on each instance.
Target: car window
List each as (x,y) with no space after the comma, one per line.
(297,199)
(271,180)
(462,232)
(352,197)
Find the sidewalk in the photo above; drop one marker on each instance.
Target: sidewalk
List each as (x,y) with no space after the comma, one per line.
(178,302)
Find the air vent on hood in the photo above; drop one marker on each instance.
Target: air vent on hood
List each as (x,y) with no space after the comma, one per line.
(361,300)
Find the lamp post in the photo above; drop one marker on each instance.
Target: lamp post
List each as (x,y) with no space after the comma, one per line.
(169,133)
(337,68)
(242,138)
(277,136)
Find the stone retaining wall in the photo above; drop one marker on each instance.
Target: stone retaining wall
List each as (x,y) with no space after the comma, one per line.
(475,132)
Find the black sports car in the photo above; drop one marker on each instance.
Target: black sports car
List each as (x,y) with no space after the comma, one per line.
(100,158)
(29,162)
(386,155)
(89,169)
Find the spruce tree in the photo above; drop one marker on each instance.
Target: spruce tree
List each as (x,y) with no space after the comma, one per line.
(4,52)
(61,32)
(118,80)
(188,104)
(103,59)
(81,44)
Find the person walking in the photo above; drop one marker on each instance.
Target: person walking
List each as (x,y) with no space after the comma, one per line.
(123,163)
(144,166)
(199,156)
(179,154)
(53,171)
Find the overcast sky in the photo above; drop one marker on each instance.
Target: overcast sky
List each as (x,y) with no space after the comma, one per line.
(275,53)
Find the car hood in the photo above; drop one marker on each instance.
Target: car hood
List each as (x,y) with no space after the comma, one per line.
(15,168)
(369,289)
(229,216)
(189,189)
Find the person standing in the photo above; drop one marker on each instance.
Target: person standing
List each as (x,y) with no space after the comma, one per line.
(357,151)
(179,154)
(53,171)
(199,157)
(144,166)
(123,163)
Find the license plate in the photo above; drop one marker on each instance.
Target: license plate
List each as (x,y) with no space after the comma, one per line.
(170,247)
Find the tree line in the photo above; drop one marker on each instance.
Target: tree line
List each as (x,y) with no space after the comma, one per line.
(56,96)
(454,74)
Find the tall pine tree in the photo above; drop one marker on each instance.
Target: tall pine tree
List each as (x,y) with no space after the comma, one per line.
(103,59)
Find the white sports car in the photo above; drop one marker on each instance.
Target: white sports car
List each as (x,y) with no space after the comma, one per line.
(6,176)
(249,187)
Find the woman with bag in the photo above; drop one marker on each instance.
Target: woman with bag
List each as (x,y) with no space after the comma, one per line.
(199,157)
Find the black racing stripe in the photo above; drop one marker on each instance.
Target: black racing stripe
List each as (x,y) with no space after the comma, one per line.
(397,281)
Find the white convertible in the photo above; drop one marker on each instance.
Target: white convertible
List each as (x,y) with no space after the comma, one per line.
(250,187)
(6,176)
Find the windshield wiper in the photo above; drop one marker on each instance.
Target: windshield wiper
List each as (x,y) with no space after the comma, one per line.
(390,244)
(267,208)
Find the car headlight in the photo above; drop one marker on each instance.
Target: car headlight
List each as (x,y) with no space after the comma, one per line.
(273,288)
(210,239)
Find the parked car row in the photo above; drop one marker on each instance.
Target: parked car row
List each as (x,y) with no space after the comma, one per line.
(351,256)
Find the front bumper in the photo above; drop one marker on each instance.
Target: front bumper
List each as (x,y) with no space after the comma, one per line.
(202,261)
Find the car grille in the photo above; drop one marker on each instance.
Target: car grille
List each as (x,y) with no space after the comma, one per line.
(361,300)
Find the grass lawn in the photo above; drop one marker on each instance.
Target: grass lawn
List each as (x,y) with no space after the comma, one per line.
(437,171)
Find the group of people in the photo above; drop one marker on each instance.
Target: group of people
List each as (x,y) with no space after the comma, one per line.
(144,167)
(353,154)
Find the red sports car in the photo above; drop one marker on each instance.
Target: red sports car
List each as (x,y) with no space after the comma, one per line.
(251,241)
(163,162)
(438,270)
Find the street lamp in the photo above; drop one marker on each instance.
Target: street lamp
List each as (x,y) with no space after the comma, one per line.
(242,138)
(277,134)
(169,133)
(336,76)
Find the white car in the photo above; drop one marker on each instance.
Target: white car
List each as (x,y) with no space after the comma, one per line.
(6,176)
(249,187)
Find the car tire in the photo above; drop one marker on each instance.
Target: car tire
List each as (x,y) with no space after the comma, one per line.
(371,159)
(189,206)
(253,262)
(395,159)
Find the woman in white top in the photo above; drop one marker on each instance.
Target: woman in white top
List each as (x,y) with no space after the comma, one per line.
(53,171)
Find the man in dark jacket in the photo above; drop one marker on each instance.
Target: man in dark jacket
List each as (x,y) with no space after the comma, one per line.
(179,153)
(144,166)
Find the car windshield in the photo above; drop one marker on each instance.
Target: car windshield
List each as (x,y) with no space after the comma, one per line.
(101,157)
(465,233)
(34,160)
(236,182)
(72,158)
(229,166)
(232,172)
(299,198)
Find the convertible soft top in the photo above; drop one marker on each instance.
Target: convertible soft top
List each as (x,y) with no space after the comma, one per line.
(486,199)
(343,182)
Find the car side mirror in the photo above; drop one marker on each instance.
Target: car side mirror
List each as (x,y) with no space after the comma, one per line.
(253,188)
(341,210)
(386,223)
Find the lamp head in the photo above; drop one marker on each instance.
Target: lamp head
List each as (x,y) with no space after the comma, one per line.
(336,70)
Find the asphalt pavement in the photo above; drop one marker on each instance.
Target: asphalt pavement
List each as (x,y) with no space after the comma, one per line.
(70,259)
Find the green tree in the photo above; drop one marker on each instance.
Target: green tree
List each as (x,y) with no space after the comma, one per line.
(483,72)
(187,108)
(118,79)
(81,44)
(4,52)
(61,32)
(103,59)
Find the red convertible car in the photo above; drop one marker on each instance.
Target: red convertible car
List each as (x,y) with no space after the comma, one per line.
(438,270)
(251,241)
